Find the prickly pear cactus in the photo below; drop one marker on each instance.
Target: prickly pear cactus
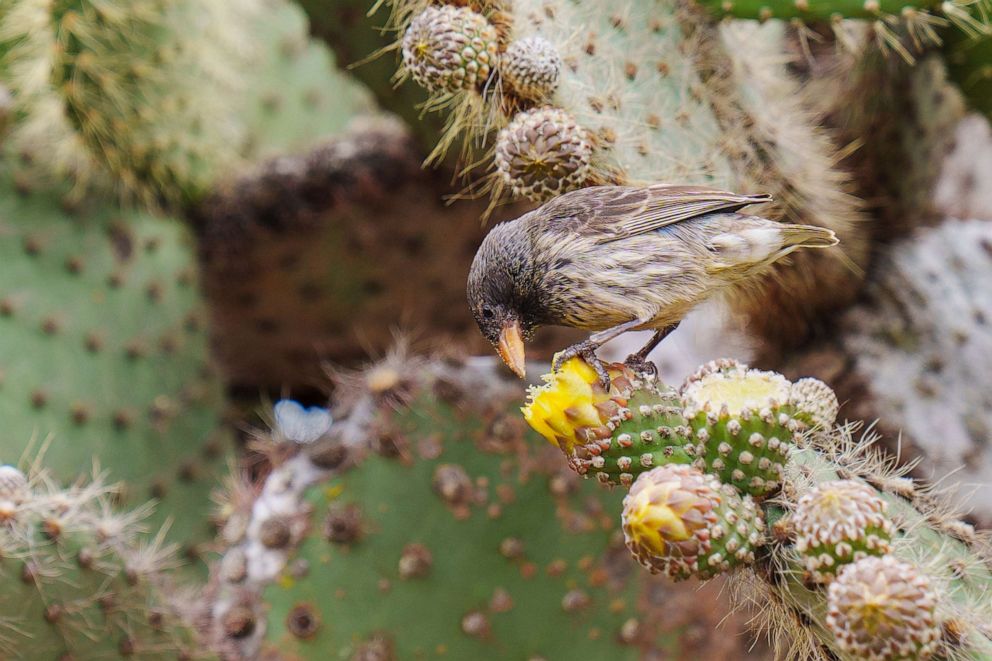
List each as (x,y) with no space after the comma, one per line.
(843,556)
(167,96)
(589,93)
(453,506)
(104,357)
(77,582)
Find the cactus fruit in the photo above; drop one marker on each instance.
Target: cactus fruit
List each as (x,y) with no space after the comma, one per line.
(531,67)
(883,609)
(682,523)
(105,352)
(840,508)
(446,502)
(614,436)
(448,49)
(744,423)
(838,523)
(543,153)
(78,583)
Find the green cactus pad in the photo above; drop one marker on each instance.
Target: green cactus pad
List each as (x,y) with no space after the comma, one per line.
(77,585)
(104,355)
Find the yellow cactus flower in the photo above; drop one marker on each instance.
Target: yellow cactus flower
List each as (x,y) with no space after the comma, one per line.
(566,404)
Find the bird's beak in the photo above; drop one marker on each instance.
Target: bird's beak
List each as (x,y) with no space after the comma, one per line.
(511,348)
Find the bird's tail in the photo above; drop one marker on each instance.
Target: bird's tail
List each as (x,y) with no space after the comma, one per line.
(807,236)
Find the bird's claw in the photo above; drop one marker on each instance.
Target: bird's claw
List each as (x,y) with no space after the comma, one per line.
(641,365)
(587,351)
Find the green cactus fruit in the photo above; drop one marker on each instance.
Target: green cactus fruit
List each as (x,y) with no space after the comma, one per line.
(746,422)
(77,582)
(840,522)
(613,436)
(438,529)
(682,523)
(449,49)
(884,609)
(105,355)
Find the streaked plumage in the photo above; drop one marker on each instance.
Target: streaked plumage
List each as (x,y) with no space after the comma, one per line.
(616,258)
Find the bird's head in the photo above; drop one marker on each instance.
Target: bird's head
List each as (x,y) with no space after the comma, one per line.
(498,292)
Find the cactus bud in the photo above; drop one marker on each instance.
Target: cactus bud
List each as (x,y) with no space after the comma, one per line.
(543,153)
(448,49)
(838,523)
(682,523)
(883,609)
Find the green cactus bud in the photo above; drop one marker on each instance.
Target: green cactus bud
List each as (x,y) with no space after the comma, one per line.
(449,49)
(840,522)
(884,609)
(680,522)
(743,423)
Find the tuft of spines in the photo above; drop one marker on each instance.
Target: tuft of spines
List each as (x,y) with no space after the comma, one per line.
(543,153)
(884,609)
(78,582)
(531,67)
(839,522)
(680,522)
(448,49)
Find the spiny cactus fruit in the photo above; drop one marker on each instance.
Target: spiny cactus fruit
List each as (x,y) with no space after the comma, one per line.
(840,505)
(448,49)
(77,582)
(744,423)
(840,522)
(453,508)
(682,523)
(614,436)
(883,609)
(105,354)
(543,153)
(531,67)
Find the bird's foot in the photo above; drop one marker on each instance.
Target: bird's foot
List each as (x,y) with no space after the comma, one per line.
(640,364)
(587,352)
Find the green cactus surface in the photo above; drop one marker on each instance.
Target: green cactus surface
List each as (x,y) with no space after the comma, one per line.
(77,582)
(104,357)
(528,577)
(428,524)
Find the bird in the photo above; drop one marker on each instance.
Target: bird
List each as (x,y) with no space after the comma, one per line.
(612,259)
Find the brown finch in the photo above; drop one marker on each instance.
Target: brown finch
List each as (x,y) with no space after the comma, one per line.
(612,259)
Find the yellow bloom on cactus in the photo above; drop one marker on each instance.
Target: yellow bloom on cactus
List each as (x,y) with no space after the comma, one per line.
(565,404)
(653,519)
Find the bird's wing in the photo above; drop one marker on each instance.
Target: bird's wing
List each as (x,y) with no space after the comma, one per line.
(617,212)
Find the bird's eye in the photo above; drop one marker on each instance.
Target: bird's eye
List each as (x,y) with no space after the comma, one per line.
(487,313)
